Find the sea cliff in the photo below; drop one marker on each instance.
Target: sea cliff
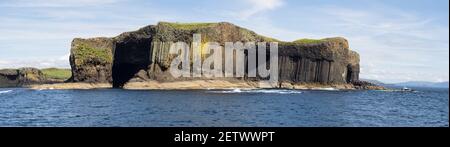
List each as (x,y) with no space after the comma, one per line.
(141,60)
(143,56)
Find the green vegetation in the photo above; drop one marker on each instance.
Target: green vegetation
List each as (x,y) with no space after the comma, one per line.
(244,33)
(55,73)
(269,39)
(188,26)
(309,41)
(84,54)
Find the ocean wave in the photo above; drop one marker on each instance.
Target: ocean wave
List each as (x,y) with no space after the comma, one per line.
(268,91)
(6,91)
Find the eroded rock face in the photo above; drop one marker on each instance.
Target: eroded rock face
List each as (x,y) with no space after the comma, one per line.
(21,77)
(132,56)
(91,60)
(144,55)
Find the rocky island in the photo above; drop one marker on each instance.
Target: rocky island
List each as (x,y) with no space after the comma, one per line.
(141,59)
(24,77)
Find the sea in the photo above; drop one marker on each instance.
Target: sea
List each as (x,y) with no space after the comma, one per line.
(423,107)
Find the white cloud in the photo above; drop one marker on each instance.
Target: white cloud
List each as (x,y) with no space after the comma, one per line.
(55,3)
(395,45)
(2,62)
(259,6)
(58,62)
(266,4)
(64,57)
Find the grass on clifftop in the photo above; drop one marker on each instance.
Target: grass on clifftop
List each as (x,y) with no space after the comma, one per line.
(55,73)
(85,53)
(309,41)
(188,26)
(269,39)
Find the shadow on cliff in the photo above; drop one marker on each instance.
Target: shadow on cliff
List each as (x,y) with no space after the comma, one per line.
(130,56)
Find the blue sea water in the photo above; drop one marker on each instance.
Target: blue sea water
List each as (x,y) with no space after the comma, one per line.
(223,108)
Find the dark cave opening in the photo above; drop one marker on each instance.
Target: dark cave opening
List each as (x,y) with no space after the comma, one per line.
(349,74)
(130,57)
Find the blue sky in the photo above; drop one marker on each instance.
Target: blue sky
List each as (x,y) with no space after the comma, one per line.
(398,40)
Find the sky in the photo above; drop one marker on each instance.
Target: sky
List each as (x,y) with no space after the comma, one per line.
(398,40)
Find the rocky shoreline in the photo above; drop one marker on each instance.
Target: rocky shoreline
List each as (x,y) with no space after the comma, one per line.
(200,85)
(36,79)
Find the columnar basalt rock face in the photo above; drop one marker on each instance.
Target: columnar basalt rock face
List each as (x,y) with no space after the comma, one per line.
(353,67)
(326,61)
(144,55)
(21,77)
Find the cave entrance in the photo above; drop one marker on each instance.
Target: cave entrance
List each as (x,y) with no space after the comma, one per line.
(130,56)
(349,75)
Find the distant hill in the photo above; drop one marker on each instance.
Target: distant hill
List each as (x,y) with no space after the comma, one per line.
(424,84)
(411,84)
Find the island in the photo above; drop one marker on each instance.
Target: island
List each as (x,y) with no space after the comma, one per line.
(141,59)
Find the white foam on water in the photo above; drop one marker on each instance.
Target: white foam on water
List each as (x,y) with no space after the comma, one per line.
(237,90)
(6,91)
(268,91)
(326,89)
